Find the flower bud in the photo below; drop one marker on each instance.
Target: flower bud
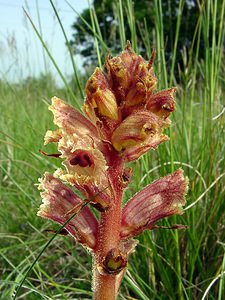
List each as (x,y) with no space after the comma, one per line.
(97,80)
(120,74)
(136,94)
(100,96)
(105,101)
(131,77)
(144,83)
(114,262)
(116,259)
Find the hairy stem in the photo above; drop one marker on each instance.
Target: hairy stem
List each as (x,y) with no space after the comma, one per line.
(106,285)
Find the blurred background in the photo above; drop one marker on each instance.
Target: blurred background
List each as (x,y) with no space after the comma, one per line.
(22,54)
(50,48)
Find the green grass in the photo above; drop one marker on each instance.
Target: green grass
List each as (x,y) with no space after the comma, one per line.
(184,264)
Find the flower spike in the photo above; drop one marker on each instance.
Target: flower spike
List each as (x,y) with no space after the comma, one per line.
(124,117)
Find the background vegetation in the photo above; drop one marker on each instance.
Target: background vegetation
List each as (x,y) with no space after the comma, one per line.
(185,264)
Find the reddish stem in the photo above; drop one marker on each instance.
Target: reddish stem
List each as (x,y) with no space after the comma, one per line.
(106,286)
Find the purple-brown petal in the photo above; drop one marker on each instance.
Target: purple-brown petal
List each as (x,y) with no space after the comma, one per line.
(70,121)
(81,158)
(59,203)
(161,199)
(131,77)
(162,103)
(94,187)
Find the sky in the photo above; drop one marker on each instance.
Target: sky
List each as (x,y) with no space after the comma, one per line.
(21,53)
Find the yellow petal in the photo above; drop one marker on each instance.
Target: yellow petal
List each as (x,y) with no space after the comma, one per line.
(52,136)
(105,101)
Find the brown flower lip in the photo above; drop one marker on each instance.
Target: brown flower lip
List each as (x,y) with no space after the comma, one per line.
(82,159)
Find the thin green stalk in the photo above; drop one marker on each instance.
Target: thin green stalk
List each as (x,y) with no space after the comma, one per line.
(179,15)
(193,71)
(134,287)
(160,264)
(158,46)
(121,25)
(202,235)
(160,43)
(146,38)
(91,9)
(132,26)
(103,50)
(213,75)
(53,61)
(40,28)
(95,34)
(70,51)
(221,35)
(222,280)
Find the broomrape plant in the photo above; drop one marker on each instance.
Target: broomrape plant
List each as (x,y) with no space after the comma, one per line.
(124,117)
